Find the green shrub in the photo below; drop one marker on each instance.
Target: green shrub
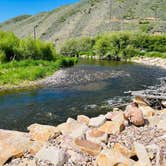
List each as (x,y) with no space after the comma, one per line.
(21,49)
(35,49)
(76,47)
(102,46)
(8,43)
(116,45)
(2,57)
(70,48)
(129,52)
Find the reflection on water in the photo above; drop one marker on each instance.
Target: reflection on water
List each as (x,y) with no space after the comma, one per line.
(51,105)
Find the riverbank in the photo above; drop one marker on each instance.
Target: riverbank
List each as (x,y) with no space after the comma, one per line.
(134,136)
(30,73)
(158,62)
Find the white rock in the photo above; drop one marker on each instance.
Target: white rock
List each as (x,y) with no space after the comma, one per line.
(71,120)
(73,128)
(53,155)
(162,124)
(80,131)
(163,103)
(75,157)
(142,154)
(97,121)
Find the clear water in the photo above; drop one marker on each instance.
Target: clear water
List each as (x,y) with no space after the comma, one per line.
(105,85)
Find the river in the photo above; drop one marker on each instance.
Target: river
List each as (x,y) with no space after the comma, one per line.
(88,88)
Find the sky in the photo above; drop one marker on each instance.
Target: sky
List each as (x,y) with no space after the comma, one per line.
(13,8)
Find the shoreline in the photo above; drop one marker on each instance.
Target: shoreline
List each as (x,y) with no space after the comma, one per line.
(151,61)
(22,86)
(110,138)
(156,62)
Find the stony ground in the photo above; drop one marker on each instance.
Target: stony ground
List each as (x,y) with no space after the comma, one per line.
(134,136)
(158,62)
(75,76)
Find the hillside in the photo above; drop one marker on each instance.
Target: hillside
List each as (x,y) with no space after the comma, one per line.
(91,17)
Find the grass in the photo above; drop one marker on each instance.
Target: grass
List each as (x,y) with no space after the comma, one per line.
(156,54)
(20,73)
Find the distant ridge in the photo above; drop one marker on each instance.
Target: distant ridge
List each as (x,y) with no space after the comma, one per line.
(92,17)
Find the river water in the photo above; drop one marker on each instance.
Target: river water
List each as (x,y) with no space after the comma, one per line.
(88,88)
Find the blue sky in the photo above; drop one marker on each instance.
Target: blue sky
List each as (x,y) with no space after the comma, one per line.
(13,8)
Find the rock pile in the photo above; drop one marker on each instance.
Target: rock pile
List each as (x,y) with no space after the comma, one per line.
(134,137)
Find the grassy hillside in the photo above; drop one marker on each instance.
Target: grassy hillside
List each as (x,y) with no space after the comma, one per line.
(92,17)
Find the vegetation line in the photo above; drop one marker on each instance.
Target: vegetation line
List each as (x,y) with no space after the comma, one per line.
(117,46)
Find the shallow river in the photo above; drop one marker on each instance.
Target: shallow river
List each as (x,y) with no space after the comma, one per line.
(89,88)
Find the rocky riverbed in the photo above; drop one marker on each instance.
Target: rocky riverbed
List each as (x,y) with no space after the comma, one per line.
(77,76)
(135,136)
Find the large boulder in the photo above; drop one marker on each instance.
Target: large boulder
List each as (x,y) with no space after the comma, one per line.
(83,119)
(97,121)
(110,157)
(40,132)
(72,128)
(115,116)
(147,111)
(96,136)
(124,150)
(13,143)
(112,127)
(53,155)
(87,146)
(134,115)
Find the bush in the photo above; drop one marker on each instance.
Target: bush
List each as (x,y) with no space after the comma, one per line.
(21,49)
(35,49)
(102,46)
(70,48)
(76,47)
(117,45)
(2,57)
(8,43)
(129,52)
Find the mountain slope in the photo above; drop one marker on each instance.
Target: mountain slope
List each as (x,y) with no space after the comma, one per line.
(91,17)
